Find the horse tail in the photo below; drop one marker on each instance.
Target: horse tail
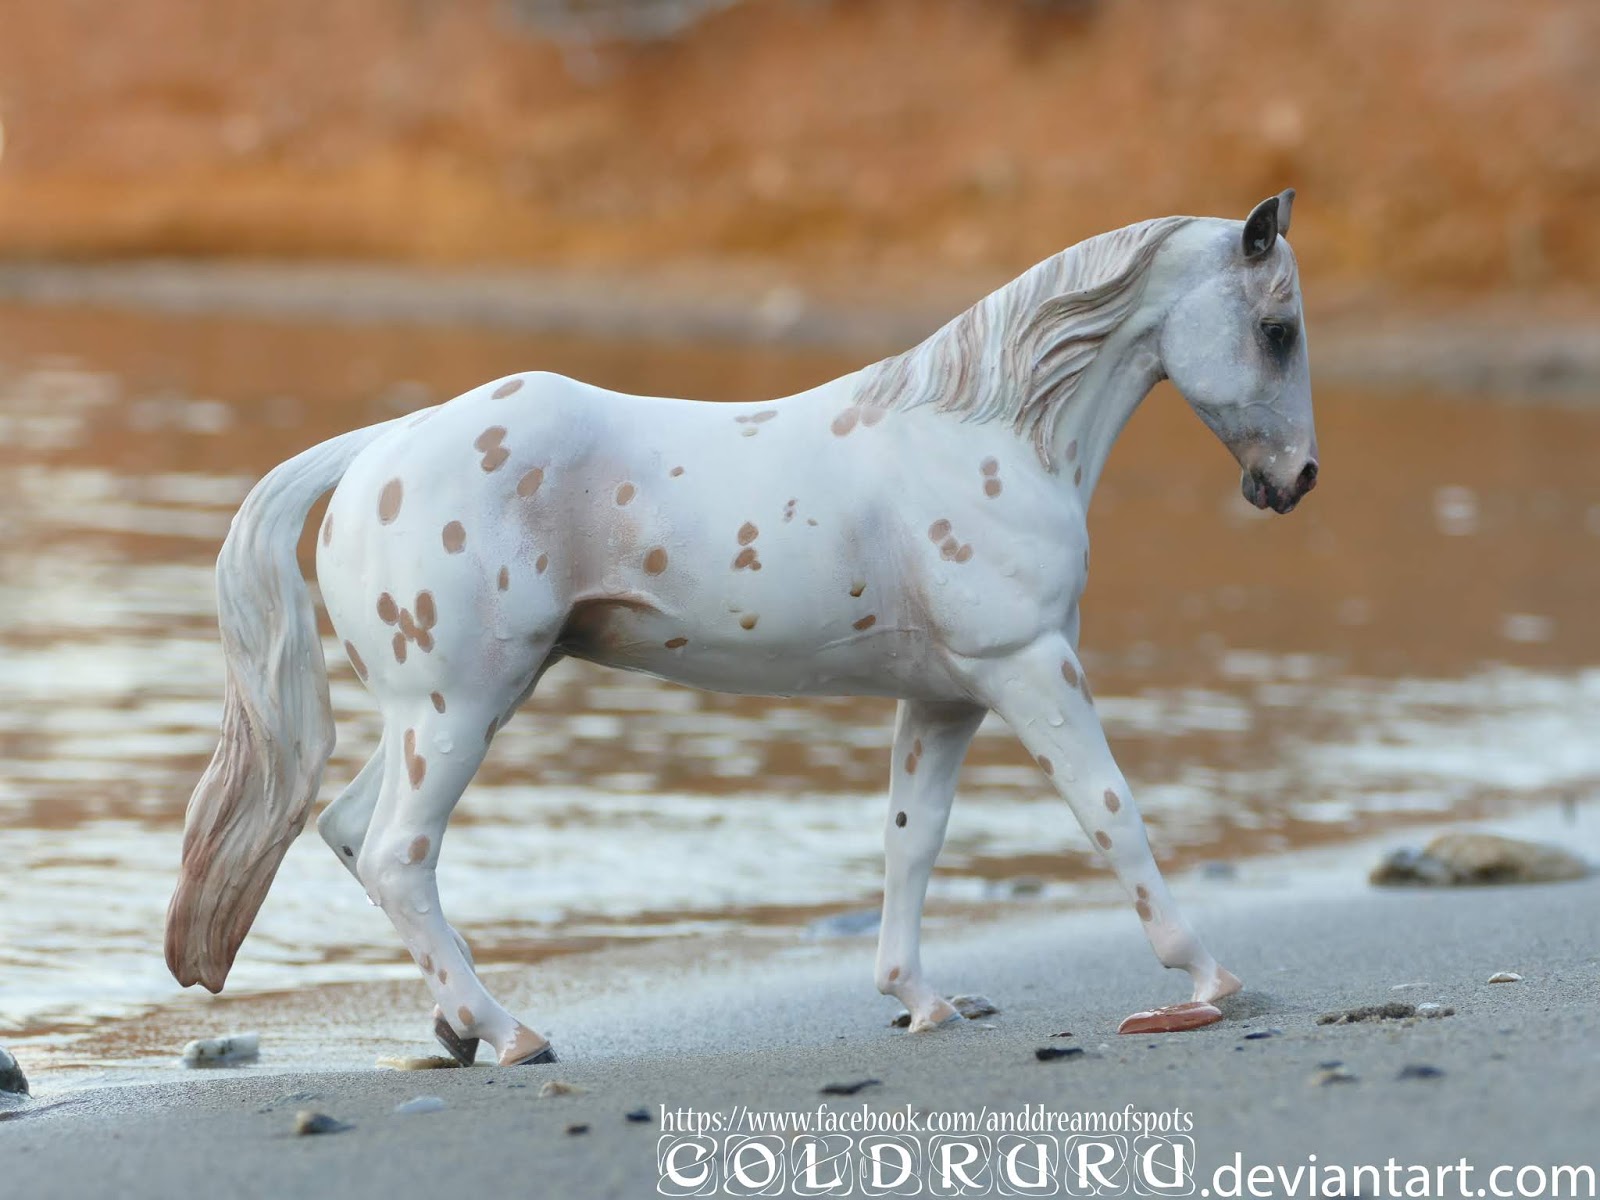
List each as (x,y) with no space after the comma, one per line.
(277,724)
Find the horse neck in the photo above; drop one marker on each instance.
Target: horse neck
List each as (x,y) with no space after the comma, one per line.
(1122,376)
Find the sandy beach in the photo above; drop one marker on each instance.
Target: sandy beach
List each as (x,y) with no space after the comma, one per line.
(1512,1080)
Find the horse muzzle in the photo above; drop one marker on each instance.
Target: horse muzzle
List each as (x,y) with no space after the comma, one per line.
(1264,493)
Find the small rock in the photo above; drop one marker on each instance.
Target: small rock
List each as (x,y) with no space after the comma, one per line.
(12,1080)
(1262,1033)
(307,1122)
(1332,1075)
(557,1087)
(973,1007)
(575,1129)
(1432,1009)
(639,1116)
(1505,977)
(848,1089)
(427,1062)
(1049,1053)
(223,1051)
(1419,1071)
(1392,1011)
(1063,1033)
(418,1105)
(1474,859)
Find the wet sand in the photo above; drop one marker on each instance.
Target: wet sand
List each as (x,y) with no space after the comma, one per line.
(1308,935)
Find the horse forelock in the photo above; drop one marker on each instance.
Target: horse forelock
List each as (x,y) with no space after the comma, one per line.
(1019,354)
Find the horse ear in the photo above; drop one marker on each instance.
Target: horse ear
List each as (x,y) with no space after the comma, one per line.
(1261,229)
(1285,206)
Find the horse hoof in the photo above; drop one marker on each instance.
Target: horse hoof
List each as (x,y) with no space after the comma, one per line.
(463,1050)
(537,1058)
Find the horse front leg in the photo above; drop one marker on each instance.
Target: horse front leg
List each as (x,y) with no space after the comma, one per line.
(929,743)
(1043,694)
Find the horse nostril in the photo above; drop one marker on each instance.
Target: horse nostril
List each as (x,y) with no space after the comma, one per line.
(1308,477)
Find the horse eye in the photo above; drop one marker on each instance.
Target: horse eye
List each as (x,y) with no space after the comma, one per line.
(1277,332)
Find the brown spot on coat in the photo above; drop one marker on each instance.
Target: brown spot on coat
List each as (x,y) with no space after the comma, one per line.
(509,387)
(655,560)
(866,622)
(748,533)
(939,530)
(764,415)
(464,1015)
(895,974)
(426,963)
(389,501)
(424,640)
(1077,476)
(949,548)
(675,643)
(846,421)
(963,554)
(408,624)
(744,558)
(400,647)
(911,764)
(857,588)
(1143,910)
(991,488)
(351,653)
(505,578)
(416,765)
(1069,672)
(916,747)
(418,849)
(989,467)
(489,443)
(900,822)
(1142,892)
(427,613)
(1103,838)
(675,472)
(454,537)
(530,482)
(540,563)
(749,620)
(444,976)
(625,494)
(1045,765)
(1113,801)
(438,701)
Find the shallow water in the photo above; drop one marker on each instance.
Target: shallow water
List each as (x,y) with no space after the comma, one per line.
(1417,641)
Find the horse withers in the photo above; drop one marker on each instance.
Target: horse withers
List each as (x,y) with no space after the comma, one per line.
(915,529)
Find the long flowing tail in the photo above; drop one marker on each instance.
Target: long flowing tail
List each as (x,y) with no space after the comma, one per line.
(277,725)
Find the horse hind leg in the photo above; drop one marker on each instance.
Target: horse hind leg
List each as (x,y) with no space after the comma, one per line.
(343,826)
(428,760)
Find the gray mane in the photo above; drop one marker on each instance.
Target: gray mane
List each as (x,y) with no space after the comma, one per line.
(1042,330)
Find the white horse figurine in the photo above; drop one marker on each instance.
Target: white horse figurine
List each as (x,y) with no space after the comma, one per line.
(915,529)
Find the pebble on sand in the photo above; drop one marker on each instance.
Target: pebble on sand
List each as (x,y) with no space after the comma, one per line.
(1174,1018)
(1050,1053)
(420,1104)
(223,1051)
(12,1080)
(848,1089)
(639,1116)
(577,1129)
(1505,977)
(1331,1075)
(307,1122)
(1419,1071)
(557,1087)
(1468,859)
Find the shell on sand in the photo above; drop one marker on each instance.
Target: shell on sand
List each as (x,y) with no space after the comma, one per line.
(222,1051)
(1464,859)
(424,1062)
(1174,1018)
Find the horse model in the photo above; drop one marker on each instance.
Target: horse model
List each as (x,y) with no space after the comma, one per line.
(915,529)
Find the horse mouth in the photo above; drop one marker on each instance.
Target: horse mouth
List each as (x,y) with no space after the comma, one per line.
(1264,494)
